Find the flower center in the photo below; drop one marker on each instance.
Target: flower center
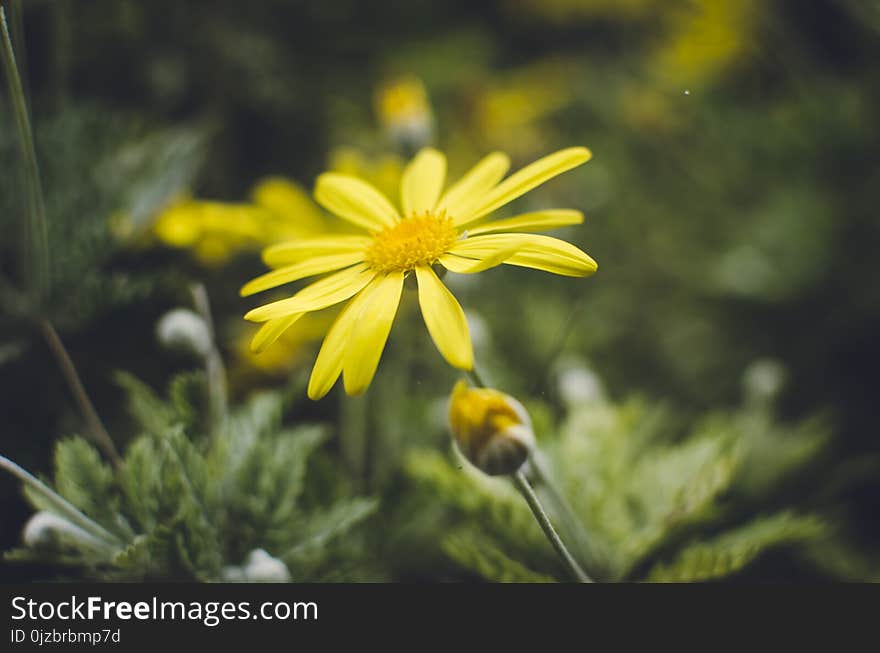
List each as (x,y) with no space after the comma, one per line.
(414,241)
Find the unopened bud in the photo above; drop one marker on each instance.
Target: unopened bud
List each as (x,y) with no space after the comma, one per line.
(260,567)
(47,531)
(405,111)
(763,380)
(492,429)
(184,329)
(579,385)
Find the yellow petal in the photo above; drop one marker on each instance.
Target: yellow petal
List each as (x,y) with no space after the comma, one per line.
(298,250)
(370,332)
(321,294)
(328,365)
(531,251)
(422,181)
(356,201)
(301,270)
(445,320)
(270,331)
(467,192)
(526,179)
(461,265)
(537,221)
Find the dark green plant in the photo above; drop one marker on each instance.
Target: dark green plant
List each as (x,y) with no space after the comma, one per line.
(189,506)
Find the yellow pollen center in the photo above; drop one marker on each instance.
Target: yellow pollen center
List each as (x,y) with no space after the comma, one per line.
(414,241)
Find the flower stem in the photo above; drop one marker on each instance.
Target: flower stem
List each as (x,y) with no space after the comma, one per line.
(62,507)
(37,238)
(96,426)
(475,378)
(214,369)
(522,484)
(572,525)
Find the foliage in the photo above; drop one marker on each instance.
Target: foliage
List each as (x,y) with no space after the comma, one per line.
(651,500)
(731,206)
(104,176)
(188,506)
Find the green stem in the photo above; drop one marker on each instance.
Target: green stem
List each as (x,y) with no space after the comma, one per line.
(543,376)
(214,368)
(62,507)
(476,379)
(96,427)
(37,250)
(522,484)
(16,19)
(564,512)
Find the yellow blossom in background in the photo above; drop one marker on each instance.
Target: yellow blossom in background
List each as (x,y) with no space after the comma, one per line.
(511,110)
(216,231)
(404,111)
(699,39)
(707,36)
(289,350)
(433,227)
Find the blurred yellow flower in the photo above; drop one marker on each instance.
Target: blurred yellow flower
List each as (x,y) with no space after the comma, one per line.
(707,37)
(508,110)
(215,231)
(404,111)
(288,351)
(434,227)
(700,38)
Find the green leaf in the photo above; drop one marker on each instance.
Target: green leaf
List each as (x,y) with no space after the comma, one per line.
(733,550)
(141,482)
(328,524)
(261,498)
(482,557)
(82,477)
(152,413)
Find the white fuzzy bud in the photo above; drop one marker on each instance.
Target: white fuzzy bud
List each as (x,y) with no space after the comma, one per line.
(763,380)
(579,385)
(183,329)
(259,567)
(45,530)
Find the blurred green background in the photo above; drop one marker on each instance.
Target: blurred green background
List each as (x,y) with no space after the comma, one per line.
(731,205)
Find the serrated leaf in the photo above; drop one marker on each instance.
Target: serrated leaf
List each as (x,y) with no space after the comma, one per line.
(262,497)
(733,550)
(328,524)
(151,412)
(481,556)
(82,477)
(141,482)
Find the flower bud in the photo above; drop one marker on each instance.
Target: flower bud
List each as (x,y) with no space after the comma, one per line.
(185,330)
(763,381)
(260,567)
(577,384)
(47,531)
(492,429)
(405,112)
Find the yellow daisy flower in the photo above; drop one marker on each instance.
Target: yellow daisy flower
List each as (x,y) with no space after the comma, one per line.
(433,227)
